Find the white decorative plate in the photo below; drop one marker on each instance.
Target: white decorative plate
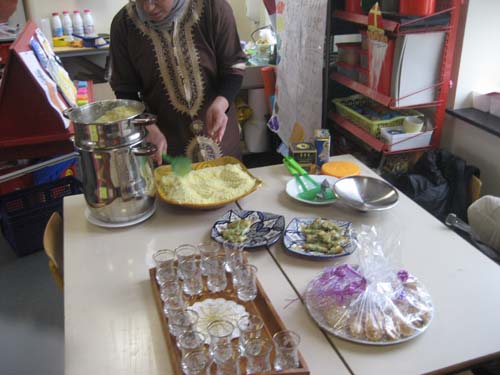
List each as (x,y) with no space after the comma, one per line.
(217,309)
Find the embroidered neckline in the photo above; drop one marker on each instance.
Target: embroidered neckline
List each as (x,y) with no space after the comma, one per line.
(177,59)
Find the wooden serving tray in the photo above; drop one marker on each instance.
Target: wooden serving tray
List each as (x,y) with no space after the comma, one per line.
(261,305)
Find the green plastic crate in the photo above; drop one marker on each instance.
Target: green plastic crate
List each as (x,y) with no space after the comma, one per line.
(345,107)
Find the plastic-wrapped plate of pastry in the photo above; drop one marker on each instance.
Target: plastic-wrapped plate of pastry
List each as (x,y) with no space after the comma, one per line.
(348,305)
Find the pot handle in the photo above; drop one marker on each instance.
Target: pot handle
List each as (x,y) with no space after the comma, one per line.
(68,111)
(144,119)
(145,149)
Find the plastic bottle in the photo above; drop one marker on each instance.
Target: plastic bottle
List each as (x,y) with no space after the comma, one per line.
(67,24)
(77,23)
(57,29)
(88,23)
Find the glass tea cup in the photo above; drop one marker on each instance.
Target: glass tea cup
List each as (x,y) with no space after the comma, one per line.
(220,332)
(234,254)
(227,357)
(250,327)
(246,285)
(286,345)
(190,270)
(185,252)
(196,362)
(208,249)
(258,355)
(181,321)
(190,341)
(216,273)
(164,260)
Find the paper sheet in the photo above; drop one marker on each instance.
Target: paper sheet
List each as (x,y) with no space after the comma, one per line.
(299,85)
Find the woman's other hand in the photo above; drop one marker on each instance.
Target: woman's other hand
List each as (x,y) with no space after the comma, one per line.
(156,137)
(216,118)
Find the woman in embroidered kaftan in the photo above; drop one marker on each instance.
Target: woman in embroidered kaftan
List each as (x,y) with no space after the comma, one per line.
(183,59)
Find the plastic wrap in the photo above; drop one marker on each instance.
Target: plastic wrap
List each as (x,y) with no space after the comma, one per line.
(375,301)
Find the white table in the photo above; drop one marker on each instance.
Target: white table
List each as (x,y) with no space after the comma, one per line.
(111,322)
(464,284)
(112,326)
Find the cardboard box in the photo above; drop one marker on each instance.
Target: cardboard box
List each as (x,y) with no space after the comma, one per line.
(398,140)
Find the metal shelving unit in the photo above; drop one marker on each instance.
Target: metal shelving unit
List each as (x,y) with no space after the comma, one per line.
(394,29)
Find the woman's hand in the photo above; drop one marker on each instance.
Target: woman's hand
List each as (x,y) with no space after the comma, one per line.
(216,118)
(156,137)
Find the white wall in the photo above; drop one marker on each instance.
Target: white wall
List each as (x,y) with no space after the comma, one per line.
(480,60)
(104,10)
(477,147)
(479,69)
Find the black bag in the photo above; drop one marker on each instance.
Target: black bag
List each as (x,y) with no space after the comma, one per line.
(439,182)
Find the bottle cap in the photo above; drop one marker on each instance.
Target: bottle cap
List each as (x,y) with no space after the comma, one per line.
(76,11)
(65,12)
(86,10)
(340,169)
(55,13)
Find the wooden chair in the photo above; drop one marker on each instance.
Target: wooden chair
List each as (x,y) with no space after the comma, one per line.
(475,188)
(53,245)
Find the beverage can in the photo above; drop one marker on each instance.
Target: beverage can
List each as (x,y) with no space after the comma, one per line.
(322,141)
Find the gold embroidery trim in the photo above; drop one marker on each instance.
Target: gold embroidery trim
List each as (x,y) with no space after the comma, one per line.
(177,58)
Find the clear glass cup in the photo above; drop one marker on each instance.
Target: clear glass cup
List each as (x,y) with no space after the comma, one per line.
(170,289)
(192,283)
(208,249)
(190,341)
(174,302)
(227,358)
(250,327)
(258,354)
(164,259)
(185,252)
(181,321)
(220,332)
(216,273)
(234,254)
(286,345)
(196,362)
(166,274)
(246,286)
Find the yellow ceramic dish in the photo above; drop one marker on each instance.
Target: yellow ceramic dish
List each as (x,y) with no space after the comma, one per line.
(225,160)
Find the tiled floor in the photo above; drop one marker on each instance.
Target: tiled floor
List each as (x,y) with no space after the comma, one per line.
(31,316)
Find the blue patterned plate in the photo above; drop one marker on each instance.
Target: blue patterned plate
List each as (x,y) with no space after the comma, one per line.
(265,230)
(294,239)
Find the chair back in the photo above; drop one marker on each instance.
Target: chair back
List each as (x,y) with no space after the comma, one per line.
(53,245)
(475,188)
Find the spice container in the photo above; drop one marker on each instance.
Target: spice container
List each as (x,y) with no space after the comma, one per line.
(322,141)
(305,154)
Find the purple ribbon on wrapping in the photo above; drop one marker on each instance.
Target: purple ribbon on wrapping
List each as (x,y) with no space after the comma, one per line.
(340,282)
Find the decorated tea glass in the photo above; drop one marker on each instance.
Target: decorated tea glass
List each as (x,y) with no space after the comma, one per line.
(196,362)
(234,254)
(216,273)
(258,354)
(208,249)
(250,327)
(246,285)
(286,345)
